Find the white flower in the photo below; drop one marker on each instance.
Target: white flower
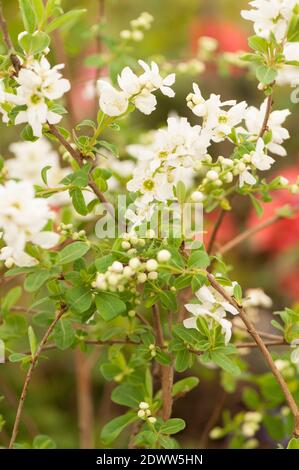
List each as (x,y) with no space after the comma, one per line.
(30,159)
(145,102)
(37,84)
(270,16)
(257,298)
(246,177)
(152,79)
(112,102)
(212,306)
(151,185)
(254,120)
(259,158)
(289,74)
(136,89)
(216,120)
(22,219)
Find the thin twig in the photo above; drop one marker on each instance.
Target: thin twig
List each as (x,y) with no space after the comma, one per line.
(252,231)
(264,127)
(215,230)
(33,364)
(166,371)
(263,348)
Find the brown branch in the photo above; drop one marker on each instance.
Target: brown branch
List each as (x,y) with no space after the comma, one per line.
(264,127)
(78,157)
(263,348)
(215,230)
(28,378)
(83,369)
(166,372)
(215,415)
(263,334)
(252,231)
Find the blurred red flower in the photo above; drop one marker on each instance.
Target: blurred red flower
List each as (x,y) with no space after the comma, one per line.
(230,37)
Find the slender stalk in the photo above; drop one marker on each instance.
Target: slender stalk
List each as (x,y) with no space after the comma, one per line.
(28,378)
(215,230)
(263,348)
(264,127)
(166,372)
(85,411)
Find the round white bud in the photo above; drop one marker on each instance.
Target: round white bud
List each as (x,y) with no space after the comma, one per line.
(141,278)
(152,419)
(143,405)
(163,256)
(152,276)
(151,265)
(212,175)
(117,267)
(134,263)
(197,196)
(141,414)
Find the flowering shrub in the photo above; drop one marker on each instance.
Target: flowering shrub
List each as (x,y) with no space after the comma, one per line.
(101,243)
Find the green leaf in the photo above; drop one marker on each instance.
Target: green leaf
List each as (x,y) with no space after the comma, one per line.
(103,263)
(258,44)
(72,252)
(34,281)
(190,335)
(108,146)
(128,395)
(257,205)
(251,398)
(78,201)
(183,360)
(43,442)
(109,305)
(265,75)
(185,385)
(27,134)
(18,357)
(238,293)
(39,9)
(32,341)
(14,327)
(63,334)
(168,300)
(28,15)
(67,19)
(225,363)
(198,259)
(293,31)
(79,299)
(173,426)
(293,443)
(181,192)
(34,43)
(113,429)
(11,299)
(44,174)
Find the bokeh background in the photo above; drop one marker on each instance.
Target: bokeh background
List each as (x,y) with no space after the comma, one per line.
(269,260)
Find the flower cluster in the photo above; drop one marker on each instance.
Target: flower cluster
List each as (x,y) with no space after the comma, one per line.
(37,86)
(270,17)
(213,308)
(218,122)
(251,424)
(134,89)
(273,17)
(145,413)
(22,219)
(119,277)
(138,26)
